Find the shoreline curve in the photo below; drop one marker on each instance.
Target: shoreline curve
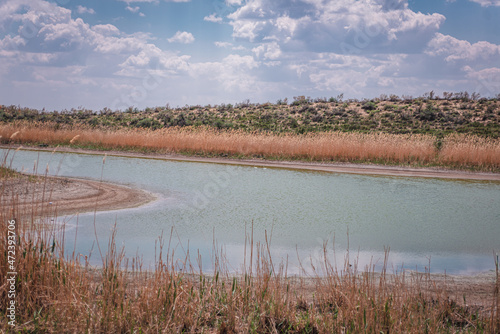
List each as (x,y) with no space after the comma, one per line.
(64,196)
(348,168)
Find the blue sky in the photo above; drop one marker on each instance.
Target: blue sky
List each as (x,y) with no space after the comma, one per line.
(120,53)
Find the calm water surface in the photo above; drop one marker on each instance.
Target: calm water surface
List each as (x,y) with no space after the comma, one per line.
(453,225)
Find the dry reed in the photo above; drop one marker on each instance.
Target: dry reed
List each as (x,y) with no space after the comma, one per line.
(470,150)
(457,150)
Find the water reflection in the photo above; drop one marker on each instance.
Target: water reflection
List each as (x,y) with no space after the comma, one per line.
(455,224)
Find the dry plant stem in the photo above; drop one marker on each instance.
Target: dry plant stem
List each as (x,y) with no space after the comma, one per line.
(495,310)
(454,150)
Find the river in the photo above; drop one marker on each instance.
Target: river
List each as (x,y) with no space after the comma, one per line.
(451,225)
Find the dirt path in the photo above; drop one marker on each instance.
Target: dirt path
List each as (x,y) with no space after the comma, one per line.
(297,165)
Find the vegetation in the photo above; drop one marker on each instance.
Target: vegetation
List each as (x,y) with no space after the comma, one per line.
(6,172)
(58,292)
(455,151)
(456,113)
(459,130)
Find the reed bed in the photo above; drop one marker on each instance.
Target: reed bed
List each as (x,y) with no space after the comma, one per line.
(457,151)
(58,292)
(470,150)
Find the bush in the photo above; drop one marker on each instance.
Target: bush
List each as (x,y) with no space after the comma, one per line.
(148,123)
(369,106)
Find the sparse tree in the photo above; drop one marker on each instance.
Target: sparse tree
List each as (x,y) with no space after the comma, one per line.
(429,95)
(447,96)
(393,98)
(464,96)
(475,96)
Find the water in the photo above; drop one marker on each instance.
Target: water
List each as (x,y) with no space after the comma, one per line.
(452,225)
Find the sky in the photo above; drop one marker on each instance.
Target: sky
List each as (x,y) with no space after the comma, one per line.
(146,53)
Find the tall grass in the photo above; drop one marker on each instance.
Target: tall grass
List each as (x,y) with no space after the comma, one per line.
(454,151)
(59,292)
(470,150)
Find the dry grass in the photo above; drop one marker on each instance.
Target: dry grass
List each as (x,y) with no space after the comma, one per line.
(457,151)
(61,293)
(470,151)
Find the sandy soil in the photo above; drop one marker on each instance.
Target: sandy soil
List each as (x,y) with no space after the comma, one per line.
(298,165)
(476,292)
(63,196)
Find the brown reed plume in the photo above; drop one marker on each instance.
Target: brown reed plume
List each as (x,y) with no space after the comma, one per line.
(456,151)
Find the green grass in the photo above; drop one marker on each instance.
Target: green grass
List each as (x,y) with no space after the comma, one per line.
(6,172)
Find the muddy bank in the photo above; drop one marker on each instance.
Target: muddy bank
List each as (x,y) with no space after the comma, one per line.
(28,195)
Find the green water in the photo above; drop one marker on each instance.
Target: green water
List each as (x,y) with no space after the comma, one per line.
(453,224)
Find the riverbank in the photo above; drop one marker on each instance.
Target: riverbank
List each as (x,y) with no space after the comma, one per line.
(368,169)
(61,196)
(455,151)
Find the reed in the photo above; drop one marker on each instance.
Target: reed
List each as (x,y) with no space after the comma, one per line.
(61,293)
(470,150)
(455,151)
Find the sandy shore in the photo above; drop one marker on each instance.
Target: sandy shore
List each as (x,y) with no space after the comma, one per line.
(64,196)
(476,291)
(296,165)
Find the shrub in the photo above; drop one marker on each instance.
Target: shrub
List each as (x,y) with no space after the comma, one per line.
(369,106)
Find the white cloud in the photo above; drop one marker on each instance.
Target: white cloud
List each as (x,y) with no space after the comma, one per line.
(183,37)
(84,10)
(153,58)
(48,28)
(354,75)
(487,3)
(483,3)
(454,49)
(223,44)
(233,73)
(237,61)
(213,18)
(133,9)
(106,29)
(140,1)
(52,54)
(487,80)
(268,50)
(239,48)
(152,1)
(345,26)
(281,49)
